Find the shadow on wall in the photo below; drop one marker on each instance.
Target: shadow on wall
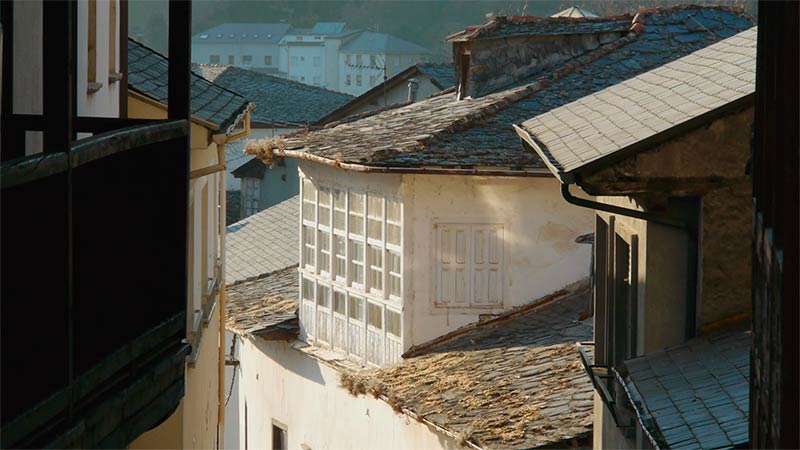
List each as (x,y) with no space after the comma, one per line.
(290,359)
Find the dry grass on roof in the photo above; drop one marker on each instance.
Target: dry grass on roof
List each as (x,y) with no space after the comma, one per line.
(515,384)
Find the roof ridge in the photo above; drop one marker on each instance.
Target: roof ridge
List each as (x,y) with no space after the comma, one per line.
(514,95)
(259,276)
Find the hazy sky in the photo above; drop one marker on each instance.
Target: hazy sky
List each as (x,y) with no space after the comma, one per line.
(423,22)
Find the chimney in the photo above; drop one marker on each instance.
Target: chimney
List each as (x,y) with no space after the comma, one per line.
(509,50)
(413,87)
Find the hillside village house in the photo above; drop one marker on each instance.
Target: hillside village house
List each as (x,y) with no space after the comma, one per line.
(419,221)
(109,361)
(365,60)
(342,59)
(415,83)
(252,46)
(665,153)
(253,186)
(218,117)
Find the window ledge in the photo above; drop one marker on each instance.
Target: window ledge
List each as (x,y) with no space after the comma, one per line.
(598,374)
(93,87)
(113,77)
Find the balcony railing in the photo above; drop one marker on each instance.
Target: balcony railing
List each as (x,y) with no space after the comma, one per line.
(93,301)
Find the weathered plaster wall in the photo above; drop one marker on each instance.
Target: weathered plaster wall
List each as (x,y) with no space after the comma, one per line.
(707,163)
(661,277)
(286,385)
(540,255)
(495,63)
(168,435)
(726,277)
(201,414)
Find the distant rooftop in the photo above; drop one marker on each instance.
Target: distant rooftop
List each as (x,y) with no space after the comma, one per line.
(243,33)
(278,100)
(441,75)
(262,243)
(147,75)
(328,27)
(574,12)
(371,42)
(475,134)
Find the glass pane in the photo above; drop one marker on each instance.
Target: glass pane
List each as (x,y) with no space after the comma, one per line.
(357,251)
(376,256)
(325,241)
(393,234)
(338,302)
(356,305)
(393,323)
(392,210)
(375,313)
(324,296)
(394,285)
(308,289)
(358,273)
(309,190)
(325,206)
(357,213)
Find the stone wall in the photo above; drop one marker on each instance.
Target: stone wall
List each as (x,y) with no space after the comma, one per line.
(496,63)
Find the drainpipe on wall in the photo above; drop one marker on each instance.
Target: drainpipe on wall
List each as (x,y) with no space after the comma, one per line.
(222,315)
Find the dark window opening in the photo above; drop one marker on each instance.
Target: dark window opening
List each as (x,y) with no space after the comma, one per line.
(278,436)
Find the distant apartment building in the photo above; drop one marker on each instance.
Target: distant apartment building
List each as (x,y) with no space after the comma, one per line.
(366,59)
(247,45)
(310,55)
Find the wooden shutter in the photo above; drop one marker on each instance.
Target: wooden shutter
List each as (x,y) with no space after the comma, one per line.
(487,249)
(451,264)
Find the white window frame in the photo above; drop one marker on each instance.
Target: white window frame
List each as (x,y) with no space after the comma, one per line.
(340,328)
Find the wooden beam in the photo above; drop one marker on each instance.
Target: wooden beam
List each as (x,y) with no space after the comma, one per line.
(180,27)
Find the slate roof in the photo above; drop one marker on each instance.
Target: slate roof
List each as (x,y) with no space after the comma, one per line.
(477,133)
(574,12)
(147,75)
(278,100)
(264,242)
(372,42)
(512,382)
(441,75)
(607,122)
(242,33)
(505,27)
(328,28)
(695,395)
(264,305)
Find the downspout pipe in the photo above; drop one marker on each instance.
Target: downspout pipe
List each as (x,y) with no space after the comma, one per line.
(691,288)
(650,217)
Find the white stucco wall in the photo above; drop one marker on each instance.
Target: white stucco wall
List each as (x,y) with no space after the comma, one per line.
(232,374)
(280,383)
(539,253)
(201,53)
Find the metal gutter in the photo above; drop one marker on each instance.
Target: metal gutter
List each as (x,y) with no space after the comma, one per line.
(650,217)
(636,409)
(352,167)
